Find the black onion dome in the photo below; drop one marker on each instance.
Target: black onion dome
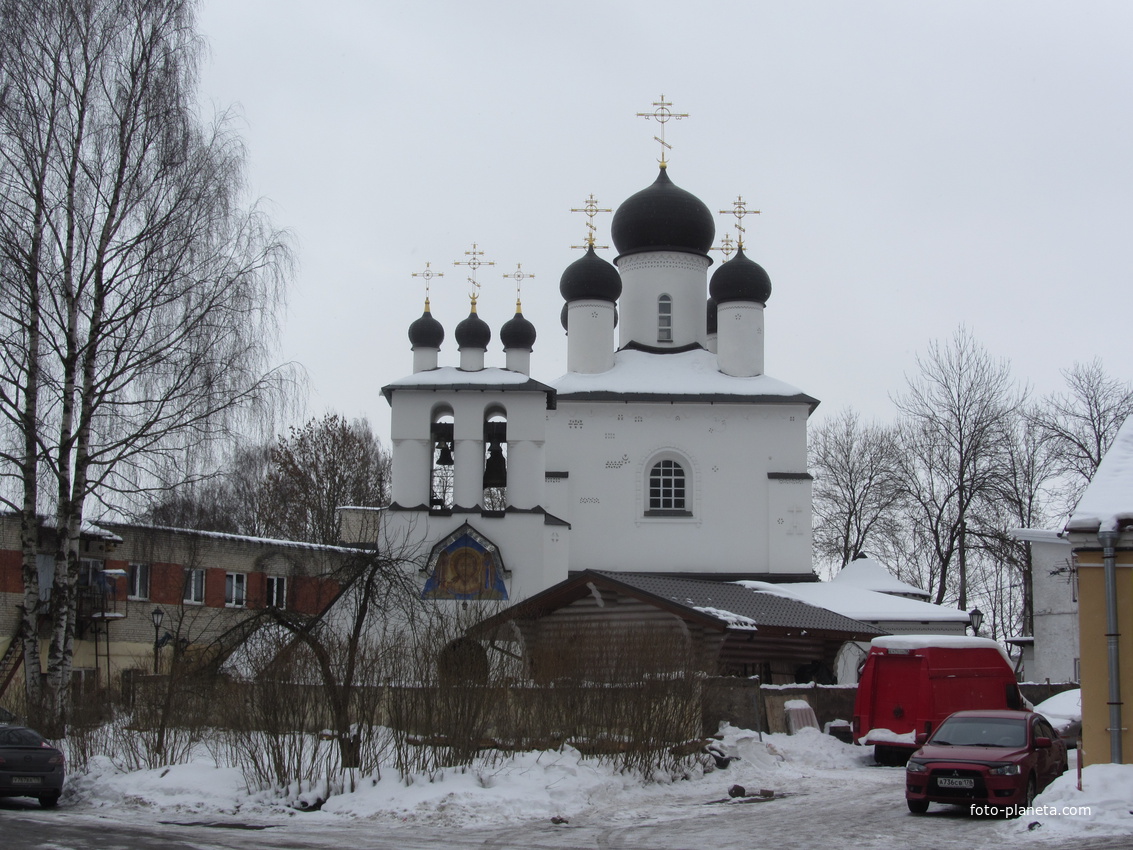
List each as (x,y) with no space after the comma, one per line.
(590,277)
(473,332)
(740,279)
(663,217)
(426,332)
(517,332)
(712,316)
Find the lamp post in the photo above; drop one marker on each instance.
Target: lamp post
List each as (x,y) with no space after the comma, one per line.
(976,619)
(157,615)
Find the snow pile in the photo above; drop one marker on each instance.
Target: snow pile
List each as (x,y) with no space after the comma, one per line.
(810,748)
(199,787)
(1104,806)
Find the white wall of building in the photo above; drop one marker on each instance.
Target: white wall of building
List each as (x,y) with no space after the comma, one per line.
(740,519)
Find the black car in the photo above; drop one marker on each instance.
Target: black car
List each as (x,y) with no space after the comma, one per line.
(29,766)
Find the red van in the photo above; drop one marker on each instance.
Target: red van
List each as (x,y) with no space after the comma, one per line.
(910,683)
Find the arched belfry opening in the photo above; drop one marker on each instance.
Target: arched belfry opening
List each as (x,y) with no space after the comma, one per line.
(441,482)
(495,460)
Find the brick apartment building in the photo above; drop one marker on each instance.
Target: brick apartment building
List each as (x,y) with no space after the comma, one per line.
(205,585)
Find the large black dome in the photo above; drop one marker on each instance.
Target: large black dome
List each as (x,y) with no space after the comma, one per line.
(426,332)
(473,332)
(740,279)
(517,332)
(590,277)
(663,217)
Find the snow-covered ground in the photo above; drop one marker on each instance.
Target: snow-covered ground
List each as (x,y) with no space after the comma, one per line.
(824,790)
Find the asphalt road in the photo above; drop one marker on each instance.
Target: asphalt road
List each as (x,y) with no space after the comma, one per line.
(864,813)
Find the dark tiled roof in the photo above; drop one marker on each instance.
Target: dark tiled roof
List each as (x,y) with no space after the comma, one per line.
(765,609)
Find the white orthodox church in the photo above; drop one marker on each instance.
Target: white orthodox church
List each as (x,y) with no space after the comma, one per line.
(666,448)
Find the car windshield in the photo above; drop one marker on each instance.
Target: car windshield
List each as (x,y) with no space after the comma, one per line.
(981,732)
(18,737)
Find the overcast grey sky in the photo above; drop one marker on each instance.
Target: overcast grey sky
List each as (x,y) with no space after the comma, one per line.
(918,165)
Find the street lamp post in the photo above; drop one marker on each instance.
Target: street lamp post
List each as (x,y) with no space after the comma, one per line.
(157,615)
(976,618)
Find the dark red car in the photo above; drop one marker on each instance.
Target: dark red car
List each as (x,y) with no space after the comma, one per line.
(29,766)
(996,758)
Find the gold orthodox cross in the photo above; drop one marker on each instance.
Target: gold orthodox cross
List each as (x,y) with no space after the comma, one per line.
(591,209)
(519,275)
(428,274)
(474,262)
(662,115)
(739,210)
(726,246)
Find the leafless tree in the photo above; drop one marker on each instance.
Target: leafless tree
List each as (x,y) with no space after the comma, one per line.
(1079,424)
(320,467)
(138,298)
(290,489)
(233,501)
(956,418)
(856,493)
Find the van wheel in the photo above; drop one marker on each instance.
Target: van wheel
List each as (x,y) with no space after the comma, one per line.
(49,801)
(917,807)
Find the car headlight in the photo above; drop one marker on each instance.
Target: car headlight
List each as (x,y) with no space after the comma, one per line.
(1005,770)
(916,767)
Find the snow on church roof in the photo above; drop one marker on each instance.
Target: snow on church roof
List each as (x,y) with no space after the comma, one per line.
(869,574)
(695,372)
(452,378)
(1107,504)
(857,603)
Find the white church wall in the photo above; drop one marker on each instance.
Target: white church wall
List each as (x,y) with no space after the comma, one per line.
(789,535)
(521,539)
(739,344)
(648,276)
(413,414)
(609,450)
(590,339)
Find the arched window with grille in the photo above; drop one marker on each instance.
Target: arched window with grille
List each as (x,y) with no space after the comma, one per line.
(667,490)
(664,319)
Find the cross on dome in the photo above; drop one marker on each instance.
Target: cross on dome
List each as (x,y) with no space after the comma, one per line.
(591,209)
(474,262)
(428,274)
(726,246)
(519,275)
(739,210)
(662,115)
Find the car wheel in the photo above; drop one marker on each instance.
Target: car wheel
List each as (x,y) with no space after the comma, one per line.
(917,807)
(49,801)
(1029,794)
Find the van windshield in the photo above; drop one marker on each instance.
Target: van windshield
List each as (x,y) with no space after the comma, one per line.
(981,732)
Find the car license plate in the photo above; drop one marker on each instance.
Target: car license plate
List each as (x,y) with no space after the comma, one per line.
(27,780)
(951,782)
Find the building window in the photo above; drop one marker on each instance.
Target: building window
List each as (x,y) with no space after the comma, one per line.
(667,487)
(139,581)
(276,592)
(664,319)
(194,587)
(234,587)
(90,572)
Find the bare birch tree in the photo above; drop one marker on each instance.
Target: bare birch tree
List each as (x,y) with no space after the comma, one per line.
(139,296)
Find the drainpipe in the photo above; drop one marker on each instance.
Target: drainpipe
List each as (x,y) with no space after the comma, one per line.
(1108,540)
